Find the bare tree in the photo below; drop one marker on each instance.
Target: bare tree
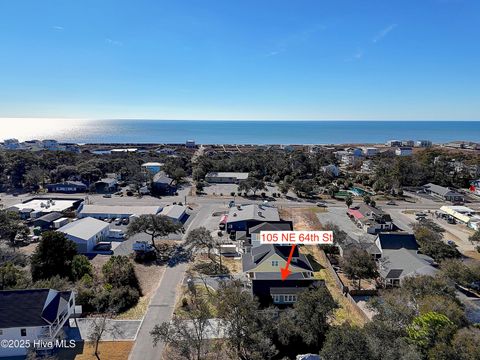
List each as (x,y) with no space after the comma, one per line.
(188,336)
(101,326)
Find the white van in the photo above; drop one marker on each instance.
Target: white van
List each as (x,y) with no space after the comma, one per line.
(116,234)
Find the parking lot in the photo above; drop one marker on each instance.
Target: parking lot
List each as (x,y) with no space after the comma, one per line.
(338,216)
(227,189)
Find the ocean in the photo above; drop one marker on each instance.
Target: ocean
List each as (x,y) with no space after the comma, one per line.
(243,132)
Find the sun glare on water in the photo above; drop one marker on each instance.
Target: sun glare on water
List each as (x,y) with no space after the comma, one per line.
(39,128)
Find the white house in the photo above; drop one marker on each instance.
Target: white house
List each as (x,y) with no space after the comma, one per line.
(331,169)
(86,233)
(404,151)
(370,151)
(423,143)
(33,315)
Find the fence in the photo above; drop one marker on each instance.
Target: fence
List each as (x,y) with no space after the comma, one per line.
(344,288)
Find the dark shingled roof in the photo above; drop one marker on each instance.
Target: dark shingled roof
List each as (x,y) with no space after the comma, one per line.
(270,226)
(397,241)
(27,307)
(50,217)
(394,274)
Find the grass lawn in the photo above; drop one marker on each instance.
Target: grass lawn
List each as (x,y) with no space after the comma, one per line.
(346,311)
(187,296)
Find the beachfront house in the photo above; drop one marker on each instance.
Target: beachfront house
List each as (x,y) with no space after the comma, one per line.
(33,315)
(404,151)
(423,143)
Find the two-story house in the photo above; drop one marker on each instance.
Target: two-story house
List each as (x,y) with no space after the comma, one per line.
(33,315)
(262,267)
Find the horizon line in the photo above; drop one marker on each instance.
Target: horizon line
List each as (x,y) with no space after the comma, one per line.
(234,119)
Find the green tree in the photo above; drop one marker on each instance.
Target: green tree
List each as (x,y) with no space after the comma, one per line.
(81,267)
(187,335)
(466,344)
(178,175)
(155,226)
(475,237)
(12,277)
(349,200)
(313,310)
(428,329)
(11,227)
(200,238)
(118,271)
(359,264)
(243,323)
(53,256)
(345,342)
(339,236)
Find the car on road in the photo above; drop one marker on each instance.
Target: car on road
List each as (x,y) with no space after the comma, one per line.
(321,204)
(391,203)
(125,221)
(118,221)
(451,243)
(107,196)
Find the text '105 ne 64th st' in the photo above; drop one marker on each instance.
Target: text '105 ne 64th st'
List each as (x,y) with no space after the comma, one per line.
(296,237)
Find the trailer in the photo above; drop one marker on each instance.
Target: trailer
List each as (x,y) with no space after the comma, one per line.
(57,224)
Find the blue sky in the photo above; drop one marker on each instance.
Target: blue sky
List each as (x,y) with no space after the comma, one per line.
(240,59)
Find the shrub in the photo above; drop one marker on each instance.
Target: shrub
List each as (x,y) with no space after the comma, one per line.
(123,298)
(232,193)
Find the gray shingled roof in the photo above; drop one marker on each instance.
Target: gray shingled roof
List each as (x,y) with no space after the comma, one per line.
(441,190)
(263,252)
(403,262)
(253,212)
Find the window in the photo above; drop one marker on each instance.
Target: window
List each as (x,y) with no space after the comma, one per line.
(1,332)
(276,298)
(274,262)
(23,332)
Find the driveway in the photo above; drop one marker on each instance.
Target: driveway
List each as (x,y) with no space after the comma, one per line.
(338,216)
(163,302)
(115,329)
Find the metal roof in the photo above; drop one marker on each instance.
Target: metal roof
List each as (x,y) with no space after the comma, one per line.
(237,175)
(174,211)
(85,228)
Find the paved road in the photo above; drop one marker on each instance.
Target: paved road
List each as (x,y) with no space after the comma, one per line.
(163,302)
